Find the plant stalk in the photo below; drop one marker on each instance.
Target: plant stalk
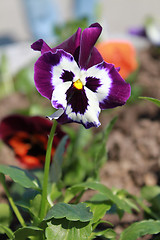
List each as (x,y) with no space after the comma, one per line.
(43,206)
(10,199)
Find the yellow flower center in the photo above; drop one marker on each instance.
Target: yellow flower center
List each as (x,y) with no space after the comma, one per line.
(78,84)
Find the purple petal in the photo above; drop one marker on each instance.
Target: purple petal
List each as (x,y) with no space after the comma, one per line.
(118,90)
(71,44)
(63,119)
(89,55)
(41,45)
(46,75)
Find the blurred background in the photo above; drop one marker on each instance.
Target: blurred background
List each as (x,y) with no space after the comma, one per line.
(22,21)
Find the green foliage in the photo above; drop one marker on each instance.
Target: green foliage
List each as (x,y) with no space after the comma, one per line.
(99,206)
(153,100)
(72,212)
(107,233)
(6,79)
(98,150)
(5,217)
(24,81)
(7,231)
(67,217)
(85,146)
(29,231)
(64,229)
(23,177)
(109,194)
(139,229)
(56,166)
(152,195)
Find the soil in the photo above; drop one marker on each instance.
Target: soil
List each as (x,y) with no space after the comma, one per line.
(133,145)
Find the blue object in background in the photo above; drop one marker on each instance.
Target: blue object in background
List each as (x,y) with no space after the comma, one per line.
(85,8)
(42,16)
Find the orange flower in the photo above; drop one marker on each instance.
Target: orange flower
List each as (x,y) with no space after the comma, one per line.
(121,53)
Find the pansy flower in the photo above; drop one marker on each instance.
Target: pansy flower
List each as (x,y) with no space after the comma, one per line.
(28,137)
(121,53)
(76,79)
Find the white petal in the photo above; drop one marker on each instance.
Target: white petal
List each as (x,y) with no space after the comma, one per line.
(104,79)
(90,116)
(93,109)
(59,95)
(65,64)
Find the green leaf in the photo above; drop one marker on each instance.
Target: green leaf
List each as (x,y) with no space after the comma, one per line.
(150,192)
(6,230)
(154,100)
(5,216)
(127,197)
(73,212)
(109,127)
(146,209)
(152,195)
(108,233)
(63,229)
(23,177)
(55,192)
(71,192)
(25,232)
(139,229)
(35,206)
(99,206)
(56,166)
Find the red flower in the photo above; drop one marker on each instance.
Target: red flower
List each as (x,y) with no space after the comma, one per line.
(28,137)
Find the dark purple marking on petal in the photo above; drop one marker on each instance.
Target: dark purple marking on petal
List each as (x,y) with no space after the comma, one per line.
(119,91)
(89,55)
(41,45)
(43,76)
(89,125)
(93,83)
(67,76)
(71,44)
(77,99)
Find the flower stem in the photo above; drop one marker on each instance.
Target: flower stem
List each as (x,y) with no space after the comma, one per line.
(10,199)
(43,207)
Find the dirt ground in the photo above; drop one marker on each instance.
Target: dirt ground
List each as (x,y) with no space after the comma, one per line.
(134,144)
